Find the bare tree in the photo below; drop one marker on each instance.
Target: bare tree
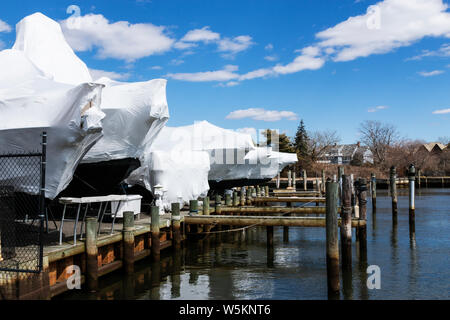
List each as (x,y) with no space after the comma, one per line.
(379,138)
(320,142)
(444,140)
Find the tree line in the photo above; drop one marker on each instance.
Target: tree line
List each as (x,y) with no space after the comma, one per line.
(386,144)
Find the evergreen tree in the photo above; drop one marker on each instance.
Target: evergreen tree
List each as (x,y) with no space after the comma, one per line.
(280,141)
(301,141)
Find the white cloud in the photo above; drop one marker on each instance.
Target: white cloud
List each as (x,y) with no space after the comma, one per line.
(441,111)
(4,27)
(184,45)
(97,74)
(176,62)
(232,46)
(119,40)
(156,68)
(378,108)
(226,74)
(201,35)
(228,84)
(269,47)
(388,25)
(443,51)
(271,58)
(303,62)
(430,73)
(2,45)
(262,114)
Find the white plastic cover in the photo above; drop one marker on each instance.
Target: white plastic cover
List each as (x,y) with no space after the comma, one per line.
(183,159)
(42,41)
(135,114)
(171,163)
(31,103)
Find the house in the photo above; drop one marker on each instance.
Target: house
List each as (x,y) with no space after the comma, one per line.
(434,147)
(346,153)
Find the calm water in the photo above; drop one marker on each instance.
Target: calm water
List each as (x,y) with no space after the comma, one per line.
(241,267)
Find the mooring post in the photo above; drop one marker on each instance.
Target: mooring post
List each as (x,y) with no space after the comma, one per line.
(294,181)
(346,223)
(393,185)
(242,196)
(176,221)
(218,204)
(289,179)
(266,190)
(332,247)
(269,236)
(235,199)
(156,246)
(193,207)
(249,197)
(228,199)
(206,206)
(128,241)
(340,174)
(412,205)
(323,181)
(278,181)
(305,180)
(373,180)
(91,254)
(362,231)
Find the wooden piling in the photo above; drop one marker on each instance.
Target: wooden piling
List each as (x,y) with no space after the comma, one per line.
(323,181)
(235,199)
(218,204)
(228,200)
(156,246)
(294,181)
(289,179)
(332,248)
(269,236)
(249,197)
(278,181)
(339,180)
(266,190)
(193,207)
(346,224)
(128,241)
(393,186)
(362,231)
(206,206)
(373,184)
(91,254)
(176,221)
(305,180)
(242,197)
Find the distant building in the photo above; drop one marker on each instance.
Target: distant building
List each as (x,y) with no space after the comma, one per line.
(434,147)
(346,153)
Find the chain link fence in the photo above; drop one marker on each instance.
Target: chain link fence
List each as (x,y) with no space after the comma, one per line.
(22,205)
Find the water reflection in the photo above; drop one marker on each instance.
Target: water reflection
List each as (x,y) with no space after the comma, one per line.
(237,265)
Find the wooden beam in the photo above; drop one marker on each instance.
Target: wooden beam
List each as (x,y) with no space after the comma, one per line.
(265,221)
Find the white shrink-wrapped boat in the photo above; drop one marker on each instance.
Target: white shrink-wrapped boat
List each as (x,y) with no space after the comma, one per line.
(134,112)
(31,103)
(171,163)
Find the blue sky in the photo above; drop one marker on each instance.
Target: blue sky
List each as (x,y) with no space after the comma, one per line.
(267,64)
